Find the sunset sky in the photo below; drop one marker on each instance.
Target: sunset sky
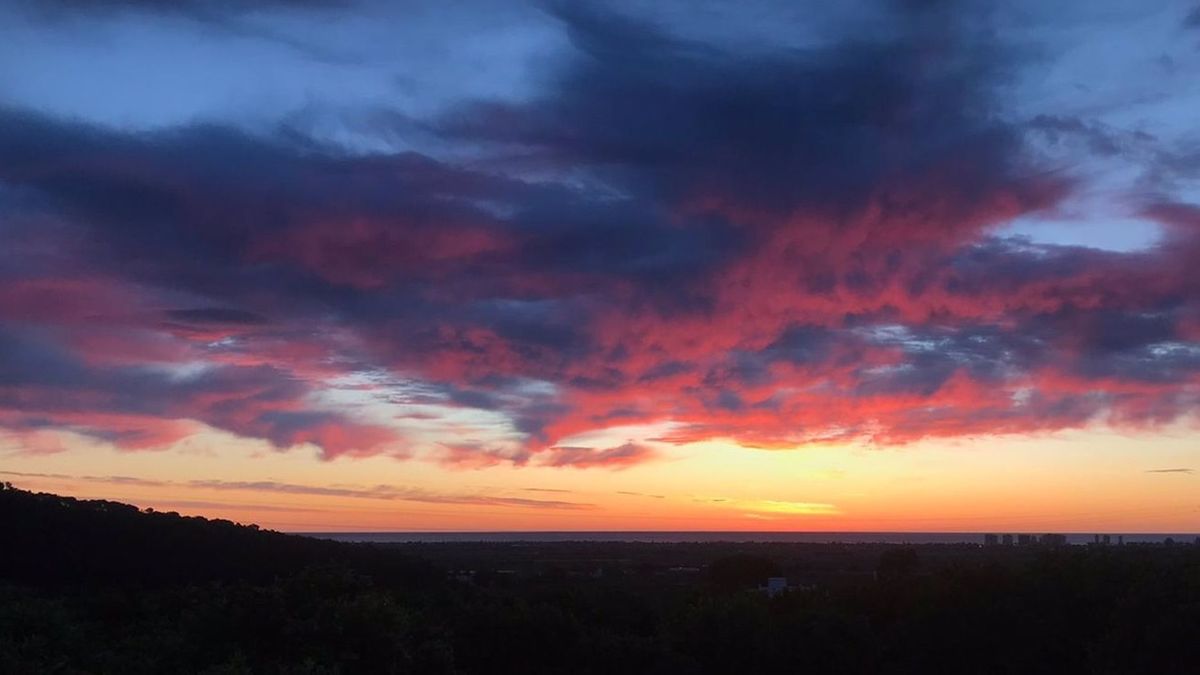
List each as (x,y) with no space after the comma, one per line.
(641,265)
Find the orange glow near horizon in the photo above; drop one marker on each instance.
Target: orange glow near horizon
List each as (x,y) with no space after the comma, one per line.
(1069,482)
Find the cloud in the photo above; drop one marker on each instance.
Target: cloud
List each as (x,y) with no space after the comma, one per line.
(215,315)
(770,246)
(185,6)
(209,507)
(27,474)
(471,455)
(1192,20)
(388,492)
(618,457)
(1171,471)
(229,17)
(376,492)
(741,130)
(135,407)
(791,508)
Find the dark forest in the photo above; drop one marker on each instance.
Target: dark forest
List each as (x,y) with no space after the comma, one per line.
(103,587)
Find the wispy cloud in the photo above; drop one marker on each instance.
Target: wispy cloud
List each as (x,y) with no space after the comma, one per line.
(110,480)
(790,508)
(619,457)
(388,492)
(173,504)
(1175,470)
(125,480)
(379,492)
(640,494)
(28,474)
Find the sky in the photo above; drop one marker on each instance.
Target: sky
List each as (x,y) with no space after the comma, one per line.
(349,265)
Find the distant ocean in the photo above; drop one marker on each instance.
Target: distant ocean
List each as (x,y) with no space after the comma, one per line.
(684,537)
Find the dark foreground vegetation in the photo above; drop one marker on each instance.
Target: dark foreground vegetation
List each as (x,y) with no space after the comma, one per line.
(101,587)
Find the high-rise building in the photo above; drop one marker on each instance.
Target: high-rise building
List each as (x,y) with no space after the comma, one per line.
(990,540)
(1007,539)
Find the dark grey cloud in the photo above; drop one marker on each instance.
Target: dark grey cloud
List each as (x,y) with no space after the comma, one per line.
(646,111)
(215,315)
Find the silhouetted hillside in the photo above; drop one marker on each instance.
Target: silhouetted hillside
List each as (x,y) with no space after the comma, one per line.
(53,540)
(101,587)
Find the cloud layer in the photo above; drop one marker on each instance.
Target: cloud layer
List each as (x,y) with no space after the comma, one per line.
(771,246)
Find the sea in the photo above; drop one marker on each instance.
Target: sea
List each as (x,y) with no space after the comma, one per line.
(1077,538)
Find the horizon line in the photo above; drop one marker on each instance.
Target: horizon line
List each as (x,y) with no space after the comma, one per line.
(978,532)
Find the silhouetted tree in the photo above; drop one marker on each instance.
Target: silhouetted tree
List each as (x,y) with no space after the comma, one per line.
(739,572)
